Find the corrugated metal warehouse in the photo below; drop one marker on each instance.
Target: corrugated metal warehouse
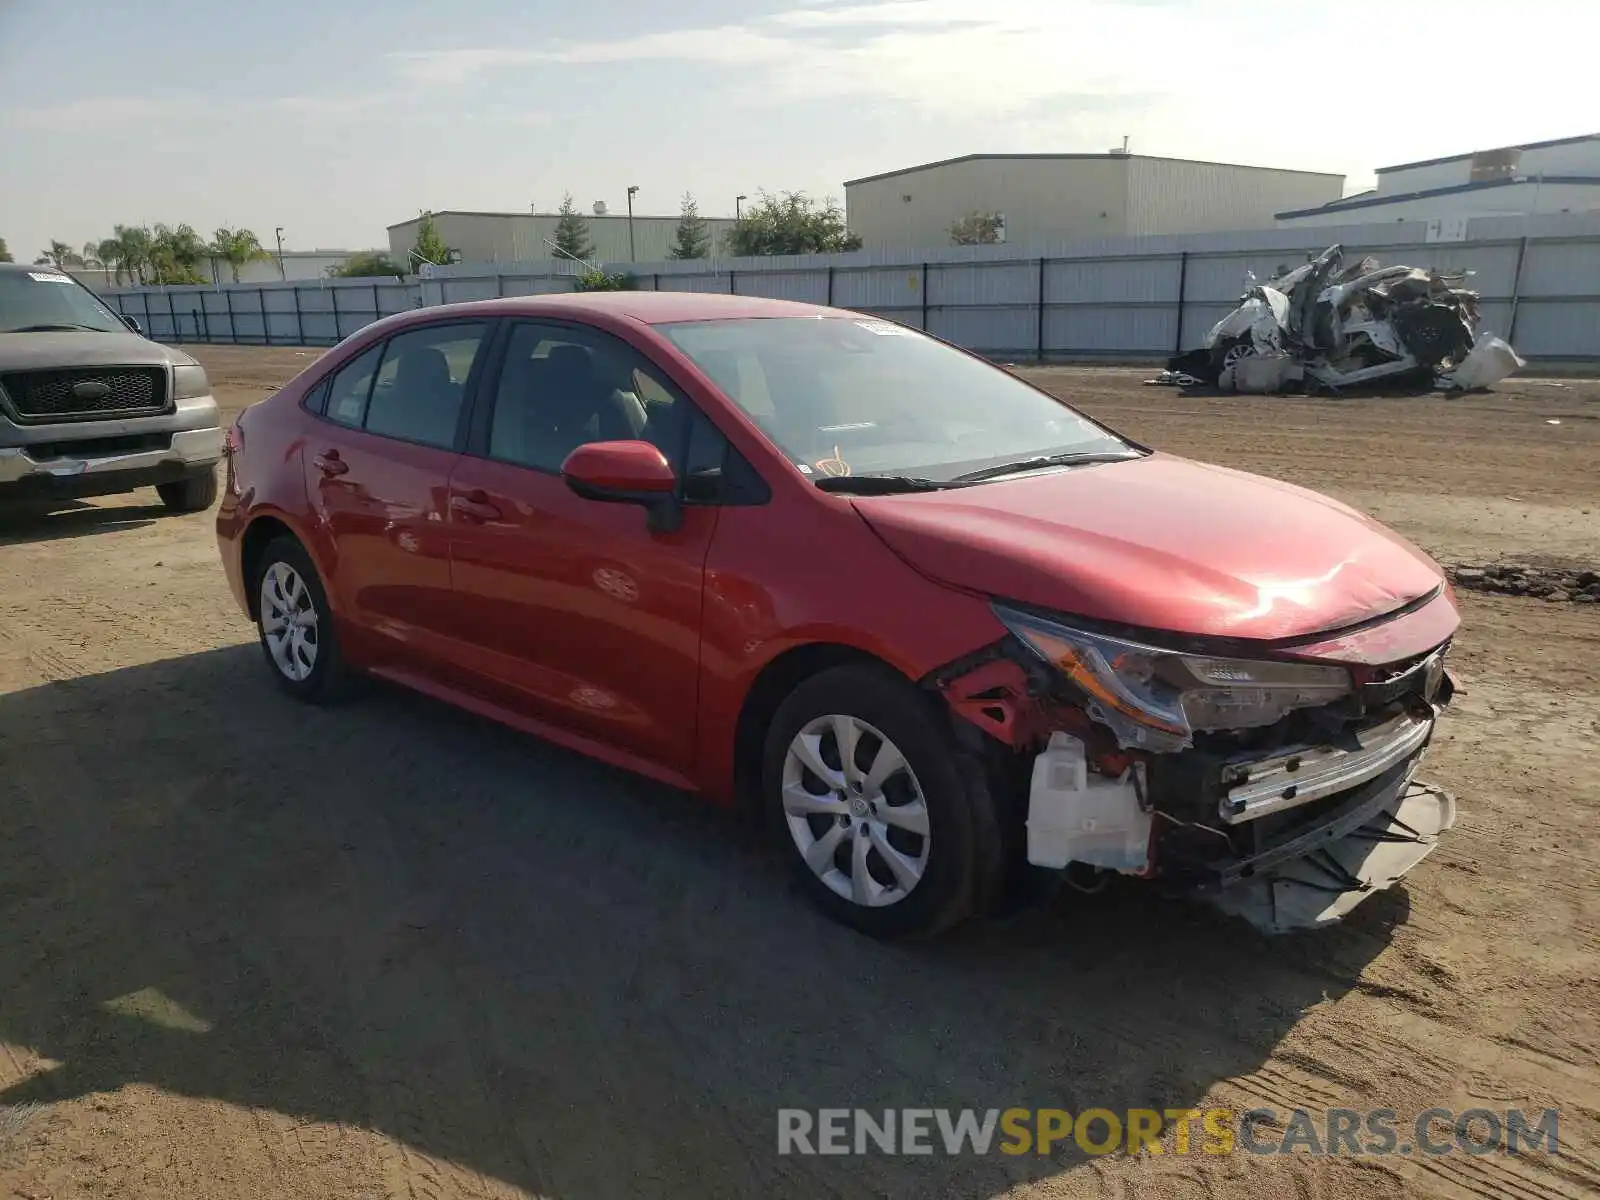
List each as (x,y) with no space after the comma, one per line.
(1557,176)
(499,237)
(1055,197)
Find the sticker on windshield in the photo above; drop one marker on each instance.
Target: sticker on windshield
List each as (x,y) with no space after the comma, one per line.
(884,328)
(834,466)
(46,277)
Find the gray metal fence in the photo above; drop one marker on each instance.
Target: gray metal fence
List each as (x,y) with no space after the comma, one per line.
(1130,298)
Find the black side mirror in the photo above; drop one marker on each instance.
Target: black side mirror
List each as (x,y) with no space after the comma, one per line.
(133,324)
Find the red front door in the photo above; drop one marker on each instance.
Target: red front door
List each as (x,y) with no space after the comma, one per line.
(582,615)
(574,610)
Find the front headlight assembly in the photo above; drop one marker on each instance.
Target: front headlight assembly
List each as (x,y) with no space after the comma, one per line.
(189,381)
(1155,699)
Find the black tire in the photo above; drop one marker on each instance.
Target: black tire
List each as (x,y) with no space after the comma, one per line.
(195,494)
(964,856)
(328,679)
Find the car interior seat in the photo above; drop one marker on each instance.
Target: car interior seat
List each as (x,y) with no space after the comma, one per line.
(424,402)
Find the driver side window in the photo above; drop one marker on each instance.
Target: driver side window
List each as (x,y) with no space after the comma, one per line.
(563,387)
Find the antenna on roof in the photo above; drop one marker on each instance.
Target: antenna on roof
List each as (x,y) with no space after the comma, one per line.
(573,257)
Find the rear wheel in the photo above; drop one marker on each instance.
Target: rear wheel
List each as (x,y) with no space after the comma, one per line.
(195,494)
(870,805)
(295,624)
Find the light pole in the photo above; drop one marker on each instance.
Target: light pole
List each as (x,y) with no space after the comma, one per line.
(738,207)
(282,274)
(632,254)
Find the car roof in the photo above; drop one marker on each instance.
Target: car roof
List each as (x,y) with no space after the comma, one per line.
(651,308)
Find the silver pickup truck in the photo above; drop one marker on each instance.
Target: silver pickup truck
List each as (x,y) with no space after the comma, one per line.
(90,407)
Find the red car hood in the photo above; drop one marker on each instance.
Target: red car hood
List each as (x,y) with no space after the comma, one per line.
(1163,543)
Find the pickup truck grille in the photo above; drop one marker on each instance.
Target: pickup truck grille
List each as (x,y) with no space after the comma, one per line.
(88,393)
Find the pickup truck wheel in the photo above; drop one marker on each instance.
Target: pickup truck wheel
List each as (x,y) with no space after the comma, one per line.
(296,625)
(195,494)
(868,803)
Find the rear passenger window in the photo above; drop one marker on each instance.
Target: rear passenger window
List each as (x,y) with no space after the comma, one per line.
(420,386)
(347,399)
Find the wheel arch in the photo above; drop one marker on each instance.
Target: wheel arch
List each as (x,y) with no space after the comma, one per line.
(262,531)
(780,676)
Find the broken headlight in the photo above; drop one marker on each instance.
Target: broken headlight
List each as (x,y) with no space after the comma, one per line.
(1155,699)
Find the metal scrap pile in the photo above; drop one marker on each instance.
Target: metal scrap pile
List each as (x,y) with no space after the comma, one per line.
(1326,326)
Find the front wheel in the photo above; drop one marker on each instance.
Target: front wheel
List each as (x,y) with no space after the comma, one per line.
(883,828)
(195,494)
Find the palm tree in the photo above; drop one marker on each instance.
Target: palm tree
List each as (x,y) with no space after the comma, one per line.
(110,253)
(175,254)
(237,247)
(60,256)
(135,247)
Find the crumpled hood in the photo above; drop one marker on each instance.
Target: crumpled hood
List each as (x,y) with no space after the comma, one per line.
(80,348)
(1162,543)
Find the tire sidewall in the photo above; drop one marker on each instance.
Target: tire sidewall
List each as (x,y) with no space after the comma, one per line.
(944,894)
(326,669)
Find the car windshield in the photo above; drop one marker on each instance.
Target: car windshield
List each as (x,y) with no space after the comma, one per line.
(864,396)
(50,299)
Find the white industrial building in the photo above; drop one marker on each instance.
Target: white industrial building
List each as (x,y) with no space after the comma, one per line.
(1559,176)
(1057,197)
(502,237)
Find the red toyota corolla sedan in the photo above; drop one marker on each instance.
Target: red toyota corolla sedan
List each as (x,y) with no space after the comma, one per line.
(947,634)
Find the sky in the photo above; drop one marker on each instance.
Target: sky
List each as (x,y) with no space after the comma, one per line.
(335,119)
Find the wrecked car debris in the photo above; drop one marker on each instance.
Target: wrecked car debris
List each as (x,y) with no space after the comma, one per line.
(1332,326)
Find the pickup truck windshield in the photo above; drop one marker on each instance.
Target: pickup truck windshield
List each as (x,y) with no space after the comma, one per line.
(46,299)
(844,396)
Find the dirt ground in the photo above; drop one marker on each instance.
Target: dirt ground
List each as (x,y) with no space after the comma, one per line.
(249,948)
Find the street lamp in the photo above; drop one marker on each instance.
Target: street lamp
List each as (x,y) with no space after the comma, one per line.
(632,255)
(283,274)
(738,210)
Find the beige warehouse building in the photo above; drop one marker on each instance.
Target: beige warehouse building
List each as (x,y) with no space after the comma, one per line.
(1059,197)
(500,237)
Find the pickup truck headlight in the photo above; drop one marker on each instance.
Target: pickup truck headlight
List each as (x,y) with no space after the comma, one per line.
(189,381)
(1155,699)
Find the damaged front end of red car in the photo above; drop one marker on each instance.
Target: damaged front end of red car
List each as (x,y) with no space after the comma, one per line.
(1276,780)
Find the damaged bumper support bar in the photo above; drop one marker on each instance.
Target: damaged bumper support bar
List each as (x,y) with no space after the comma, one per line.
(1307,877)
(1299,776)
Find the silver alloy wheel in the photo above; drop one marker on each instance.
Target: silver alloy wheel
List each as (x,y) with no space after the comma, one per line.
(289,621)
(1235,352)
(855,810)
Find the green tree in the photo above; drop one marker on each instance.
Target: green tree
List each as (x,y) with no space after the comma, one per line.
(977,229)
(5,254)
(429,246)
(237,247)
(692,239)
(365,264)
(60,256)
(572,232)
(133,250)
(791,223)
(176,254)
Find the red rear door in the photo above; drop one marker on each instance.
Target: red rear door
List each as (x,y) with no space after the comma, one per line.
(377,473)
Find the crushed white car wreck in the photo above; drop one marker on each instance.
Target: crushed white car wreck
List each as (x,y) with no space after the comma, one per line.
(1328,326)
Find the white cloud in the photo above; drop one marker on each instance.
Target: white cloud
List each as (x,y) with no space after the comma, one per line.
(1280,82)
